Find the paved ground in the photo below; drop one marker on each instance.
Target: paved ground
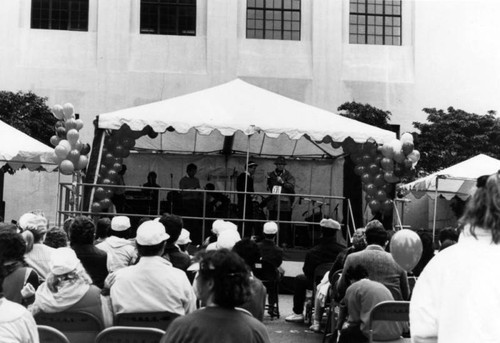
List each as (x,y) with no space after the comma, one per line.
(281,331)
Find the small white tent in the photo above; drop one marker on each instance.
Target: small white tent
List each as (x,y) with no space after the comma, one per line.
(458,180)
(20,150)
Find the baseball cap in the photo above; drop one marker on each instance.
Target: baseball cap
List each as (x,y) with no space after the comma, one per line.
(184,237)
(330,223)
(270,228)
(63,261)
(151,233)
(120,223)
(227,239)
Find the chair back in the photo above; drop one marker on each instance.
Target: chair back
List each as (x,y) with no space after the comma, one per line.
(76,326)
(49,334)
(265,271)
(320,271)
(120,334)
(395,311)
(159,320)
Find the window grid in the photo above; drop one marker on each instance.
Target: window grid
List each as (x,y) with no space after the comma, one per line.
(72,15)
(375,22)
(274,19)
(168,17)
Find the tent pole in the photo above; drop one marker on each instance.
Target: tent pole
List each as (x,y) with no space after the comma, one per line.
(246,187)
(435,212)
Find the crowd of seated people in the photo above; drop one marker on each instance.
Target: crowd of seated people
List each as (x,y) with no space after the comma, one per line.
(151,270)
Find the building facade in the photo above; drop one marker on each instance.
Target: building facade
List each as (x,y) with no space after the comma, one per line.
(397,55)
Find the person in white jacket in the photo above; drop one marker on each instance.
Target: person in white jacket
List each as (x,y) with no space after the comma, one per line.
(457,298)
(121,251)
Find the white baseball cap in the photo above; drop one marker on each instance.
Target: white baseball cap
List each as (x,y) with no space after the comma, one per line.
(330,223)
(227,239)
(120,223)
(270,228)
(184,237)
(33,220)
(63,261)
(151,233)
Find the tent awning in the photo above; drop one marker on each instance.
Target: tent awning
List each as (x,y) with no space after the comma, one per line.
(20,150)
(457,180)
(199,122)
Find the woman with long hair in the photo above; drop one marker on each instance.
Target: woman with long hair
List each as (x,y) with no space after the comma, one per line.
(457,298)
(222,284)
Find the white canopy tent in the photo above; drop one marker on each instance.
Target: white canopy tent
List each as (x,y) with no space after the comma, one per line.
(458,180)
(20,150)
(239,118)
(198,123)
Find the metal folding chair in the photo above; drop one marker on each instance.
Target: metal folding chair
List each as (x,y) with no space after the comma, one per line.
(159,320)
(49,334)
(120,334)
(78,327)
(396,311)
(270,277)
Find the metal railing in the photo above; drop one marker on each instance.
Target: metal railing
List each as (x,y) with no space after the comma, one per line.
(312,207)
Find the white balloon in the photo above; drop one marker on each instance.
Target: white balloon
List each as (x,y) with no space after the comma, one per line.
(69,111)
(406,137)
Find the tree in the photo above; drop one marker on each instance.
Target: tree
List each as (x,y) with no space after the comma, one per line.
(28,113)
(453,136)
(366,114)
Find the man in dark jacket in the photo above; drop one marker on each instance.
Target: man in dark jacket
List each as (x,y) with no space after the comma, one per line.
(325,252)
(173,227)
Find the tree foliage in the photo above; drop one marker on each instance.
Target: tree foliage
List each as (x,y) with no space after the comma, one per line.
(453,136)
(366,114)
(28,113)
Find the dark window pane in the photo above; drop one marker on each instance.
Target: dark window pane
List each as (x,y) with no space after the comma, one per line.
(275,18)
(170,17)
(60,15)
(375,22)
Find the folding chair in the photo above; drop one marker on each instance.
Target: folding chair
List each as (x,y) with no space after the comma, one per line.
(332,318)
(159,320)
(78,327)
(270,277)
(121,334)
(319,272)
(49,334)
(395,311)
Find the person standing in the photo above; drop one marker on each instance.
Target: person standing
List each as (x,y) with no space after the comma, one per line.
(456,297)
(151,193)
(281,181)
(119,192)
(244,183)
(192,203)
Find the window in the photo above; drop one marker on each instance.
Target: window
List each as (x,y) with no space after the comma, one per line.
(70,15)
(273,19)
(168,17)
(375,22)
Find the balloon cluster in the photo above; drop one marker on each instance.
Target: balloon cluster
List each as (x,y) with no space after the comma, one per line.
(381,167)
(117,145)
(71,153)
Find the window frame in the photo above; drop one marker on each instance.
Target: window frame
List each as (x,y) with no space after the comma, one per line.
(385,27)
(177,5)
(265,10)
(82,15)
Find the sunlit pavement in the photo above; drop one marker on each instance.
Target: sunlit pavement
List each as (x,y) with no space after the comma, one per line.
(281,331)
